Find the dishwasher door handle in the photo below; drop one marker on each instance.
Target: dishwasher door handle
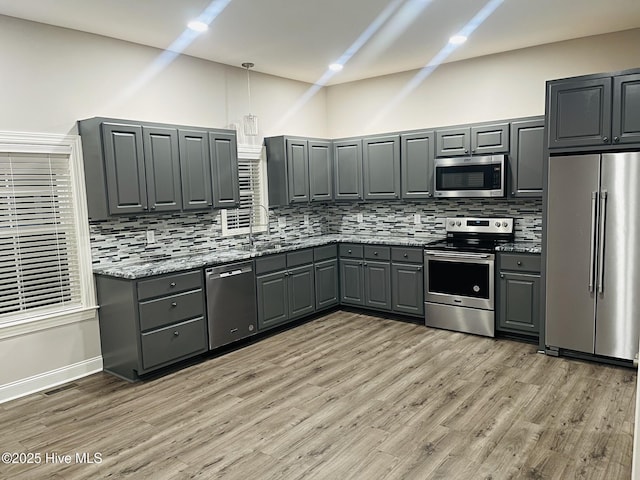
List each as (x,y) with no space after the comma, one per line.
(230,274)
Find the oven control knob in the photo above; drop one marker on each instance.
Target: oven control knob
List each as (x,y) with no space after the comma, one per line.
(497,224)
(452,223)
(505,224)
(458,223)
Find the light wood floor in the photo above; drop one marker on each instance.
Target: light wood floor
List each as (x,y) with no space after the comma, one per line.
(346,396)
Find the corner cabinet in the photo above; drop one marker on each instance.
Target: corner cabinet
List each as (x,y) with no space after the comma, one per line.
(132,168)
(299,170)
(150,323)
(518,293)
(526,158)
(593,112)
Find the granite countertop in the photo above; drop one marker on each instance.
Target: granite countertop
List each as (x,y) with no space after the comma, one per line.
(161,264)
(520,247)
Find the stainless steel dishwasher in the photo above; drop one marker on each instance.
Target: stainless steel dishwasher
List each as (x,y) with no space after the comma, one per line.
(231,303)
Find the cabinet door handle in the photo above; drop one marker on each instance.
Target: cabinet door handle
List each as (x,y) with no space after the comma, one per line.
(176,333)
(365,264)
(174,304)
(419,269)
(501,275)
(605,139)
(616,139)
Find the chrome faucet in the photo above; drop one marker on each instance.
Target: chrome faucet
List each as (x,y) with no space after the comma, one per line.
(251,225)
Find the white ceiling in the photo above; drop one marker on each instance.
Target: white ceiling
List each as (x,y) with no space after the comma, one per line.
(297,39)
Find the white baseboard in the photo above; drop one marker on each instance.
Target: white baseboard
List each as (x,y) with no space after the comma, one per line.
(50,379)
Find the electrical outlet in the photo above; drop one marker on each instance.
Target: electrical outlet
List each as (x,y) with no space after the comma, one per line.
(306,220)
(151,237)
(416,219)
(359,218)
(282,222)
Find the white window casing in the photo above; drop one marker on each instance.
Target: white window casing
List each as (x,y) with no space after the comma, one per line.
(45,258)
(253,194)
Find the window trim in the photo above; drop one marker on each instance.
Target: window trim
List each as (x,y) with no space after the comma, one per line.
(250,152)
(43,143)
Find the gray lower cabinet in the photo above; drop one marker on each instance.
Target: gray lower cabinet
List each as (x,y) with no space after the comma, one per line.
(518,294)
(326,276)
(381,167)
(377,285)
(347,169)
(407,281)
(351,282)
(150,323)
(416,165)
(526,157)
(132,168)
(365,276)
(285,288)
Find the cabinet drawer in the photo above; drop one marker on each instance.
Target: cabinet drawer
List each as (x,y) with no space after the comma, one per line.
(325,253)
(271,263)
(520,262)
(377,252)
(300,257)
(173,342)
(407,255)
(169,284)
(171,309)
(349,250)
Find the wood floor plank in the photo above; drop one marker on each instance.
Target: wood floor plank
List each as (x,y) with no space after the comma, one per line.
(347,396)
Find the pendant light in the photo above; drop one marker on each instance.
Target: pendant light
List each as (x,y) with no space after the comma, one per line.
(250,122)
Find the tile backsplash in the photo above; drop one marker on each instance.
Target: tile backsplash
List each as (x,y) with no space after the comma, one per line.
(125,238)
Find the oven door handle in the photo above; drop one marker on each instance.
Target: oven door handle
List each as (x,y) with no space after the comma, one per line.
(472,256)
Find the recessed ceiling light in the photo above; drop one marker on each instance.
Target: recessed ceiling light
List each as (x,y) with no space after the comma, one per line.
(336,67)
(198,26)
(457,40)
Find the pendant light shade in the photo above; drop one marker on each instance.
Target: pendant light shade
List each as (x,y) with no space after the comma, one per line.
(250,121)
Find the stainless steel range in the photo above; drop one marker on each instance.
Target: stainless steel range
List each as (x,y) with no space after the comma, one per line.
(459,275)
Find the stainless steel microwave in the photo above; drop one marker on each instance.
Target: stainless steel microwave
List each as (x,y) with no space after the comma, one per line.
(470,176)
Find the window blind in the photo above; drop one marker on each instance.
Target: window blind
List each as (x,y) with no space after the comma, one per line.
(39,261)
(251,194)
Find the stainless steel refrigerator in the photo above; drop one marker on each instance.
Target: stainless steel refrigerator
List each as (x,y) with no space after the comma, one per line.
(593,254)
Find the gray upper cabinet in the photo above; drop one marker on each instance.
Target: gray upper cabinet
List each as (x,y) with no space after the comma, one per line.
(626,109)
(347,169)
(124,165)
(488,139)
(224,166)
(162,165)
(526,157)
(453,142)
(416,165)
(579,112)
(381,167)
(132,168)
(320,171)
(298,170)
(195,165)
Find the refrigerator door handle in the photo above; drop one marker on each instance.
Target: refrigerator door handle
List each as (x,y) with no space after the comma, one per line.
(592,250)
(603,219)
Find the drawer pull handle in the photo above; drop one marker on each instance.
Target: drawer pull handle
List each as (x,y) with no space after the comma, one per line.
(176,333)
(519,262)
(349,251)
(172,284)
(405,255)
(375,253)
(174,304)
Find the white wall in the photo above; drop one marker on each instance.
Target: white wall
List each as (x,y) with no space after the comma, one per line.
(50,77)
(493,87)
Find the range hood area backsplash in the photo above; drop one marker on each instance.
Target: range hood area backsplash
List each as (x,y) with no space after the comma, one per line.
(125,239)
